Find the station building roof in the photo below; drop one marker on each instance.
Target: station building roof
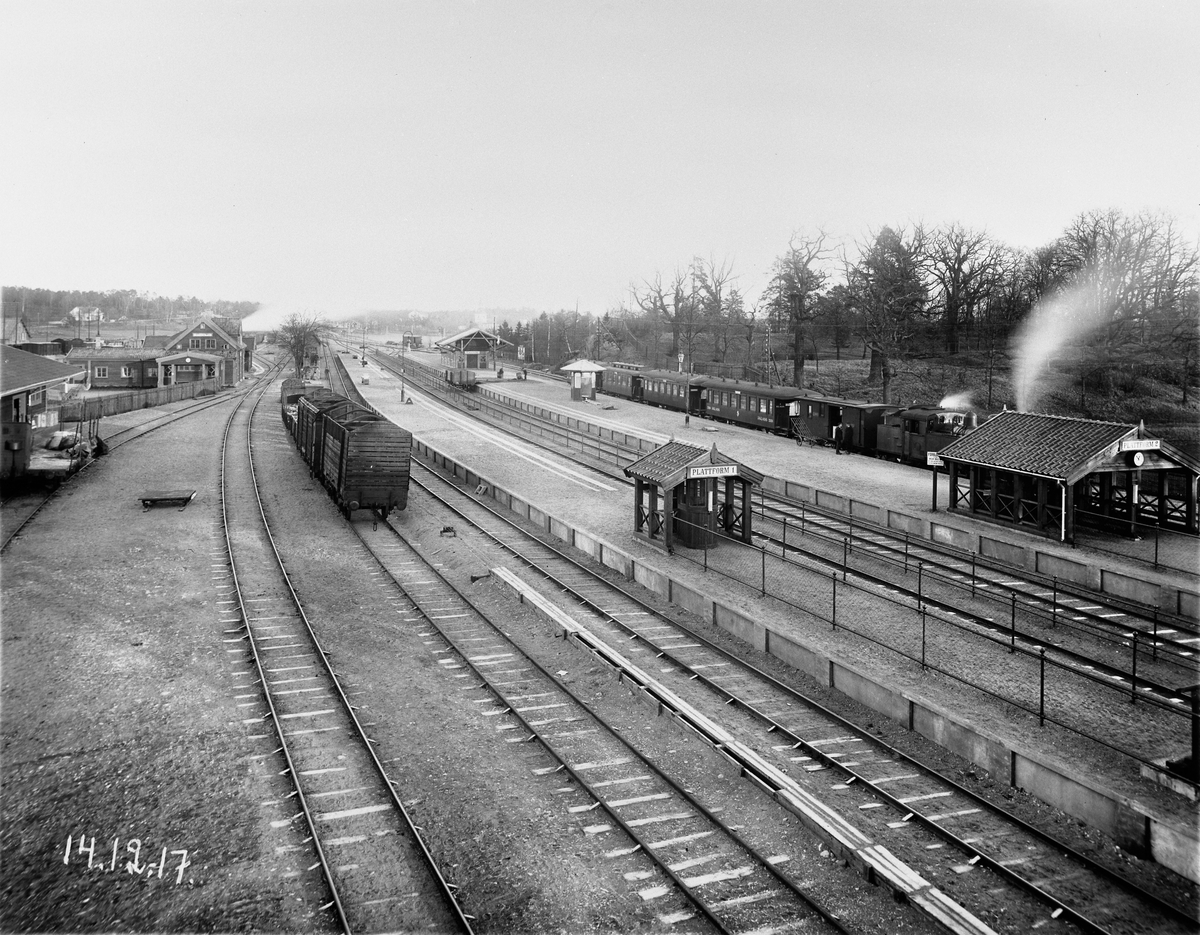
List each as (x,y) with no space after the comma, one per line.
(1056,447)
(113,353)
(667,466)
(583,366)
(20,371)
(472,339)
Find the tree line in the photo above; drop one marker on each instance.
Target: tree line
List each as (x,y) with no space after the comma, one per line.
(42,306)
(1119,289)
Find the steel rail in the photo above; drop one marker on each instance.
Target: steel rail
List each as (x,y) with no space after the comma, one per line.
(262,676)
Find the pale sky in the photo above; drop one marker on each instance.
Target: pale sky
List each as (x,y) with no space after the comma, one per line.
(341,156)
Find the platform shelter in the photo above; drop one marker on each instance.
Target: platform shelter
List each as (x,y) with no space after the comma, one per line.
(1052,473)
(683,492)
(474,349)
(583,378)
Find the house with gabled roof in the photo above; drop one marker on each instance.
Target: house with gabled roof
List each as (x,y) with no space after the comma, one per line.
(1051,473)
(30,391)
(207,339)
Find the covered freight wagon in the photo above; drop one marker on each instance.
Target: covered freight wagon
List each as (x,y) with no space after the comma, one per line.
(365,461)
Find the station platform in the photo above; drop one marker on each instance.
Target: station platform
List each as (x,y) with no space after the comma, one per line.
(1172,561)
(596,515)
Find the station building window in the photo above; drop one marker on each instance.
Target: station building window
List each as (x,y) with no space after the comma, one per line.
(101,372)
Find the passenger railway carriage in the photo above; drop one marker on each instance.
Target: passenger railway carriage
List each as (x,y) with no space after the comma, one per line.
(671,389)
(881,429)
(754,405)
(624,380)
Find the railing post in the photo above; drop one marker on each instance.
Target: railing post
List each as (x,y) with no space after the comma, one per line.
(920,571)
(764,571)
(1012,646)
(1156,531)
(1042,692)
(785,534)
(850,535)
(845,556)
(834,619)
(922,637)
(1133,675)
(706,553)
(1155,643)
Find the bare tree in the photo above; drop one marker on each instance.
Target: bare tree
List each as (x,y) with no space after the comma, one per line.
(888,294)
(797,278)
(962,266)
(300,334)
(712,282)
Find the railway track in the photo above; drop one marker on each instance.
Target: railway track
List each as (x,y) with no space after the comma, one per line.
(379,873)
(994,859)
(1175,639)
(649,820)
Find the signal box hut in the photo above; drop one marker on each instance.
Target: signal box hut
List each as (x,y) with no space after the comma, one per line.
(1052,473)
(694,488)
(585,377)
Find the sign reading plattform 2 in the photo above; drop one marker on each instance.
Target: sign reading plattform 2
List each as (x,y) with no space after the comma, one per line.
(1141,444)
(712,470)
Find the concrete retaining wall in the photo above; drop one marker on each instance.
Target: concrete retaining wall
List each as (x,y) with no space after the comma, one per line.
(1174,846)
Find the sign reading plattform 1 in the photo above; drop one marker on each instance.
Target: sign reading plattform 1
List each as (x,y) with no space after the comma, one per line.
(712,470)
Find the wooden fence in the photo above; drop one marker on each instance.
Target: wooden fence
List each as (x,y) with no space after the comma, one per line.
(84,410)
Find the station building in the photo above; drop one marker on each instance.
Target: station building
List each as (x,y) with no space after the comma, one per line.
(474,349)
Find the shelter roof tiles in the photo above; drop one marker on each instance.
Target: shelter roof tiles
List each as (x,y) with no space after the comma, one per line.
(1033,443)
(666,466)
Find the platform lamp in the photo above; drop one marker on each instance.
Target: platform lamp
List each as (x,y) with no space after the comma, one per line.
(404,339)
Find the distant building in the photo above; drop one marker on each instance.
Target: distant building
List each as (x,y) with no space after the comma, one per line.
(85,313)
(118,367)
(207,338)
